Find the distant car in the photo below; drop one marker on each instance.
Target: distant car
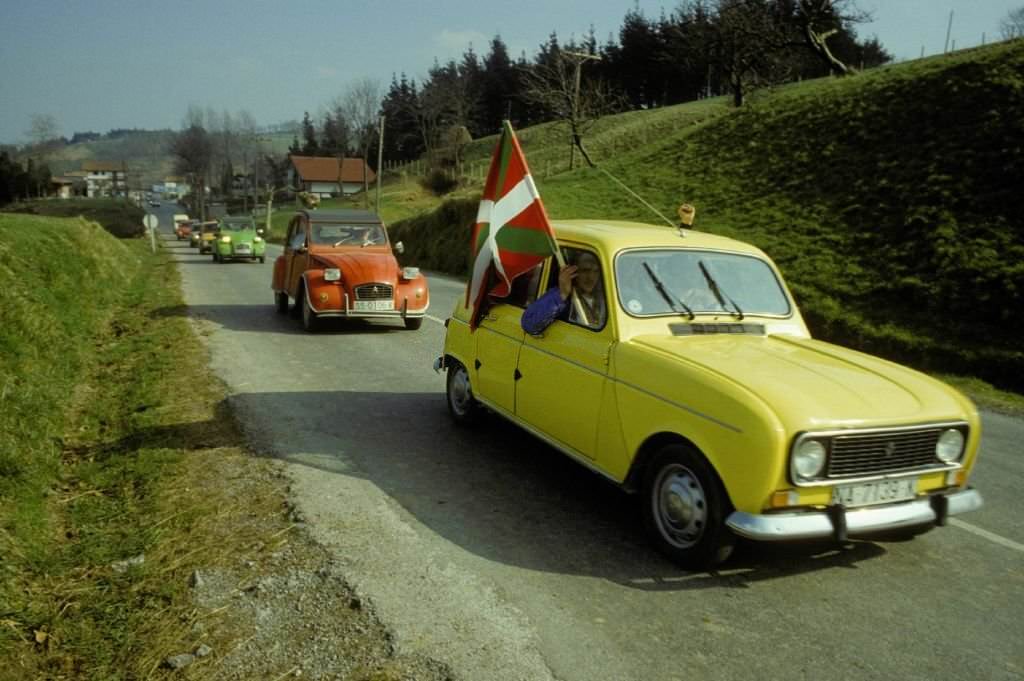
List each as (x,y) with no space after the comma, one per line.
(207,233)
(182,226)
(154,203)
(696,385)
(238,238)
(193,237)
(339,263)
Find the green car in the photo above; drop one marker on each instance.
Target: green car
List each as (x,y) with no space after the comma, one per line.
(237,239)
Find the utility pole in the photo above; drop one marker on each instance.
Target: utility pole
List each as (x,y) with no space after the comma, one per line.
(380,159)
(949,28)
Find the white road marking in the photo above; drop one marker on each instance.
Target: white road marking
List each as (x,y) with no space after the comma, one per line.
(991,536)
(433,318)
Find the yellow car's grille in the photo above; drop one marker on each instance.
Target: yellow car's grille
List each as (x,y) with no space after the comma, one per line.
(883,452)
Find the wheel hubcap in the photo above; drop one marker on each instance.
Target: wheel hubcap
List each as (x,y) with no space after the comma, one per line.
(680,506)
(461,393)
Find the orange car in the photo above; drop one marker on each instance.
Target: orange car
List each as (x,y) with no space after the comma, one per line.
(182,227)
(339,263)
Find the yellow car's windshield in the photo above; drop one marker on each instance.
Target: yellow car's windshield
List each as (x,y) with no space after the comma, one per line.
(672,281)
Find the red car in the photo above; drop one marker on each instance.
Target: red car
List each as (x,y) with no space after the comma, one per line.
(339,263)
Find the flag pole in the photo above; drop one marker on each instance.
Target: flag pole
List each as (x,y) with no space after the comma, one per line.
(577,304)
(560,259)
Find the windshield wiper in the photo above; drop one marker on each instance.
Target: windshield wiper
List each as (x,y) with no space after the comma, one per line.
(719,295)
(665,294)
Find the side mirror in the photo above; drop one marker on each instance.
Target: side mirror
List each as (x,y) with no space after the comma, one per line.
(399,247)
(301,249)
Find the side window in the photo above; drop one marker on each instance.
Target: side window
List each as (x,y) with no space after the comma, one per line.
(298,238)
(524,288)
(588,285)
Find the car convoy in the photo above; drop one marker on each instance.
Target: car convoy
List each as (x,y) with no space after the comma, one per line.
(698,389)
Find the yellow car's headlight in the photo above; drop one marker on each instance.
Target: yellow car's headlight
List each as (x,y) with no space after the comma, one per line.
(950,446)
(808,460)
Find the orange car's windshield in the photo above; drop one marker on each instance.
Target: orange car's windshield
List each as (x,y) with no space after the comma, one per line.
(341,234)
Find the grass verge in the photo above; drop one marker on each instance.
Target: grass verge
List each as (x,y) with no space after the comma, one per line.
(134,482)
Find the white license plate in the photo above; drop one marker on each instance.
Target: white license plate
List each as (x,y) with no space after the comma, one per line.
(878,492)
(243,248)
(374,305)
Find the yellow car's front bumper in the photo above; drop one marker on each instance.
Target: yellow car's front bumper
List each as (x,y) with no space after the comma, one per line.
(839,522)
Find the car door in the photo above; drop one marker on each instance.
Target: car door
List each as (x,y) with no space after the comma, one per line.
(563,373)
(297,253)
(498,339)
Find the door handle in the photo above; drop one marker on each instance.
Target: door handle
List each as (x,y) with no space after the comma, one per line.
(516,375)
(476,364)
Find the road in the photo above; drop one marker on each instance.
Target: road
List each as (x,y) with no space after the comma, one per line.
(492,552)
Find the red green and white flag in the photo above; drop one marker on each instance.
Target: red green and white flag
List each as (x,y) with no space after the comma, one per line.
(512,234)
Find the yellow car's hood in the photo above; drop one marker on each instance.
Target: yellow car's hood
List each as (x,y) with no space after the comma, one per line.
(812,384)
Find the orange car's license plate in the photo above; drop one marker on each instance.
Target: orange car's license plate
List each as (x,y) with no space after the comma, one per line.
(374,305)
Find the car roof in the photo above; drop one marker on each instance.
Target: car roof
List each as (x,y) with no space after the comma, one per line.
(341,215)
(616,235)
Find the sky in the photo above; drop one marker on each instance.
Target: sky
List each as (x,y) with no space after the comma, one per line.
(96,65)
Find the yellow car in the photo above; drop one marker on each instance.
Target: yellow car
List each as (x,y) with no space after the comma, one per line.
(694,382)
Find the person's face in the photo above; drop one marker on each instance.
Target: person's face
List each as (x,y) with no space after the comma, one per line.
(587,274)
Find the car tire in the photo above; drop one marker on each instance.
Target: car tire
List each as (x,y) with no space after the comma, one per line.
(413,323)
(309,318)
(684,508)
(262,260)
(281,302)
(463,407)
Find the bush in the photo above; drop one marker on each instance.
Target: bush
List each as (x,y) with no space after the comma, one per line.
(439,183)
(119,217)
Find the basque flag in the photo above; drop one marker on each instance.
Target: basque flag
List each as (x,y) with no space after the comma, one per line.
(512,234)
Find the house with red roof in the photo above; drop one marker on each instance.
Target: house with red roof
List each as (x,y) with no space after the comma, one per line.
(329,176)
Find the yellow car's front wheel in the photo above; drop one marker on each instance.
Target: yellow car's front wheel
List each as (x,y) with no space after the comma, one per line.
(684,508)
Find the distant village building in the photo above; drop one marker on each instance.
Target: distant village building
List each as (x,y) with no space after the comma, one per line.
(62,186)
(172,187)
(105,178)
(321,175)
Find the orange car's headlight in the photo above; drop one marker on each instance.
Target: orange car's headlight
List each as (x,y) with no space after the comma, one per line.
(332,274)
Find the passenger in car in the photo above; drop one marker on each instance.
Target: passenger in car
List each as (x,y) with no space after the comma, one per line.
(585,277)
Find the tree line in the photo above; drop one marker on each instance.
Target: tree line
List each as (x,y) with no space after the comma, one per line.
(703,48)
(19,181)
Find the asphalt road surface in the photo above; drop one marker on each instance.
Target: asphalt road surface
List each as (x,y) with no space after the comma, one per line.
(492,552)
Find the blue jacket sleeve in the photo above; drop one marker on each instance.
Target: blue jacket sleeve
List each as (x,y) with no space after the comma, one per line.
(543,311)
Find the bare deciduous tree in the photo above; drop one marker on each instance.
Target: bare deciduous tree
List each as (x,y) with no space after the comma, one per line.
(361,103)
(819,20)
(558,86)
(192,149)
(745,38)
(1012,25)
(43,129)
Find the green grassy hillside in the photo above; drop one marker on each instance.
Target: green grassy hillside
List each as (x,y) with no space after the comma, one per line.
(891,200)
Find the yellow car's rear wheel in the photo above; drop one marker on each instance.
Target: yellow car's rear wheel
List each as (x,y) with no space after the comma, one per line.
(461,404)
